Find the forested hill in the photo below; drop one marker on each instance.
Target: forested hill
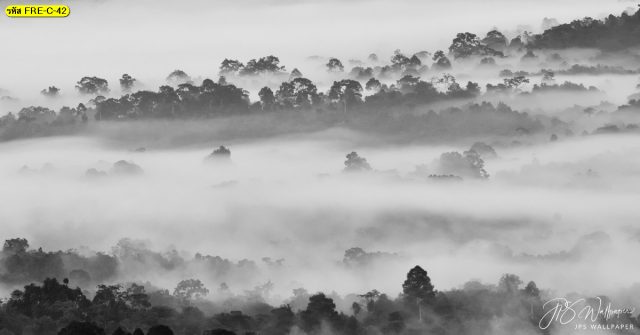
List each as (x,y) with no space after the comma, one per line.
(613,33)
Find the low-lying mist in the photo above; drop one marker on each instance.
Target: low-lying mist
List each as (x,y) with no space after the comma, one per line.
(548,211)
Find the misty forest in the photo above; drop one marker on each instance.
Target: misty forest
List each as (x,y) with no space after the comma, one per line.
(447,187)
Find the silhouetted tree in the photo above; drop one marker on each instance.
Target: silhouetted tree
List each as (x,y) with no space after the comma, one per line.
(264,65)
(178,77)
(92,85)
(335,65)
(468,44)
(355,163)
(221,152)
(50,92)
(441,62)
(267,98)
(373,84)
(15,246)
(319,308)
(417,289)
(229,66)
(495,40)
(347,91)
(127,82)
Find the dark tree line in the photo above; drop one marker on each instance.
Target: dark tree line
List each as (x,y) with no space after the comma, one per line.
(55,307)
(612,33)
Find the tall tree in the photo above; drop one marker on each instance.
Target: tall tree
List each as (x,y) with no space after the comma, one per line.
(417,288)
(126,82)
(267,98)
(347,91)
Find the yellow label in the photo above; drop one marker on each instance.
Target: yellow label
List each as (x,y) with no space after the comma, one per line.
(37,11)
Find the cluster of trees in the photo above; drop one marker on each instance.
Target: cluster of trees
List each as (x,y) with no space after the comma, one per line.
(578,69)
(361,94)
(187,100)
(611,34)
(19,264)
(220,98)
(55,307)
(41,121)
(264,65)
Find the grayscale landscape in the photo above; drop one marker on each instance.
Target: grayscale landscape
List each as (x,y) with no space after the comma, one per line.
(321,167)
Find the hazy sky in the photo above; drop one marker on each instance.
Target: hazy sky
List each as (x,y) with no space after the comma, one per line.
(149,39)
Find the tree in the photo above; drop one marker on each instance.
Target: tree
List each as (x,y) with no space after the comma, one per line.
(52,299)
(282,319)
(267,99)
(488,61)
(15,246)
(484,150)
(295,74)
(229,66)
(464,45)
(189,289)
(268,64)
(515,82)
(178,77)
(126,82)
(136,297)
(548,76)
(468,44)
(408,83)
(417,288)
(495,40)
(50,92)
(319,308)
(355,163)
(335,65)
(399,61)
(373,85)
(346,91)
(441,62)
(509,283)
(610,34)
(467,164)
(92,85)
(300,92)
(221,152)
(532,289)
(361,73)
